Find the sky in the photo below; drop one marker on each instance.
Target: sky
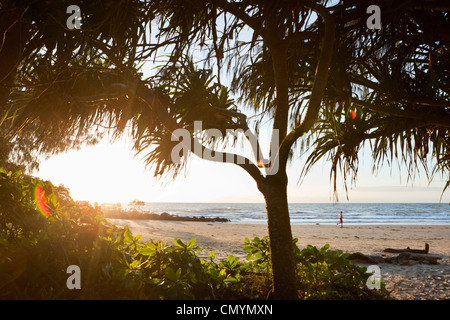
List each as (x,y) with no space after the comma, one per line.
(111,173)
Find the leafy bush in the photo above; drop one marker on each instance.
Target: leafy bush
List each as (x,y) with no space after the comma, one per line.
(323,273)
(328,274)
(35,251)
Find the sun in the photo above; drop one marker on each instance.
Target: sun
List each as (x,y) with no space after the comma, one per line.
(106,172)
(110,173)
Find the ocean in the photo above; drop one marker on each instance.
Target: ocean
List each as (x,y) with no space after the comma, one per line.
(314,213)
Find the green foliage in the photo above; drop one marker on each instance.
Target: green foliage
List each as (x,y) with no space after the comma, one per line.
(328,274)
(35,252)
(323,273)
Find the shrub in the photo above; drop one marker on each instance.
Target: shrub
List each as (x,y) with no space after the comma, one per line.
(328,274)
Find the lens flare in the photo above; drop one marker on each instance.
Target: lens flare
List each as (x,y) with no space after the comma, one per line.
(40,201)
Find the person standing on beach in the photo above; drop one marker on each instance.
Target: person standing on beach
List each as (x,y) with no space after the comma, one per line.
(340,219)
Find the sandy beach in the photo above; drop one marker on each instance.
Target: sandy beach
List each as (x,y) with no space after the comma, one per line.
(406,282)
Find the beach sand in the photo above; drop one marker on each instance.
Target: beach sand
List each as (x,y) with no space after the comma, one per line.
(418,281)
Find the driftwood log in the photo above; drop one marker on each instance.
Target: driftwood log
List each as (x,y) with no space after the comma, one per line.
(406,257)
(390,250)
(365,258)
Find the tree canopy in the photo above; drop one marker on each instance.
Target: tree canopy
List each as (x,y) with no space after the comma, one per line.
(394,79)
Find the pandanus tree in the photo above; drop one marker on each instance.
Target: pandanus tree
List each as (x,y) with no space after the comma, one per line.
(309,66)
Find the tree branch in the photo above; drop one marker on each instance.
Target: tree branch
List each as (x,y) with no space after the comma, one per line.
(226,157)
(320,82)
(428,116)
(239,13)
(256,149)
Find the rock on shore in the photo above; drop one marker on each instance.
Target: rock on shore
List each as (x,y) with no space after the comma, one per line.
(137,215)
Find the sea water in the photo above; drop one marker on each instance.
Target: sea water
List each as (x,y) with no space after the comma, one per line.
(314,213)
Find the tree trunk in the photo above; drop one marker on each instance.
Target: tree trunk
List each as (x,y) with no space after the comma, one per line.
(284,276)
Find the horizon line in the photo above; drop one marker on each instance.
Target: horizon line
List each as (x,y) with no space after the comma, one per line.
(215,202)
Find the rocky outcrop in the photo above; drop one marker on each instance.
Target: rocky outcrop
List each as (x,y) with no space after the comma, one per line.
(137,215)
